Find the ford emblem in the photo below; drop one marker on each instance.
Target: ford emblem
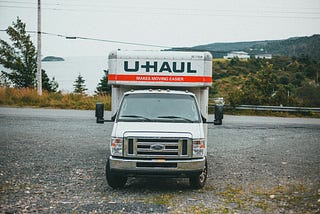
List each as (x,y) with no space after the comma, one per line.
(157,147)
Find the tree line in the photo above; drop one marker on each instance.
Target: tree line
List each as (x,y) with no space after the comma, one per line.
(277,81)
(19,58)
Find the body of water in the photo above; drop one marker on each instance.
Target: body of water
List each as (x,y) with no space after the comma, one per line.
(66,72)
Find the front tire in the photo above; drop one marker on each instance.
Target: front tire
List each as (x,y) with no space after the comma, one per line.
(114,181)
(198,181)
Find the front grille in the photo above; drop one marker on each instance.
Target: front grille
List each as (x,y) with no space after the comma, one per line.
(157,147)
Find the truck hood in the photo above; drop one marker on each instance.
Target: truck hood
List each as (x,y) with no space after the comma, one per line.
(188,130)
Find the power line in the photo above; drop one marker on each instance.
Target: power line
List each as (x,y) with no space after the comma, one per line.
(99,40)
(26,2)
(104,6)
(124,42)
(179,12)
(106,40)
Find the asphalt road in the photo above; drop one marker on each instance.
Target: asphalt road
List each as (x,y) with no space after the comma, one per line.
(53,161)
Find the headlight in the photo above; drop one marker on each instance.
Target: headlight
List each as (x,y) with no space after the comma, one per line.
(116,146)
(198,147)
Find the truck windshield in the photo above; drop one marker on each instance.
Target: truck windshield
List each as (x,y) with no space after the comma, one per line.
(159,108)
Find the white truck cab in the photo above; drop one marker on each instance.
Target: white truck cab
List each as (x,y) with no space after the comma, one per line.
(159,109)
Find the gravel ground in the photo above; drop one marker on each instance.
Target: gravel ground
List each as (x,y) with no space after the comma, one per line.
(52,161)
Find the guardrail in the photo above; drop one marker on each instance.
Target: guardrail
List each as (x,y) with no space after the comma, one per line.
(273,108)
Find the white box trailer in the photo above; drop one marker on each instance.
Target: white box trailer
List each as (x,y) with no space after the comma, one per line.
(159,109)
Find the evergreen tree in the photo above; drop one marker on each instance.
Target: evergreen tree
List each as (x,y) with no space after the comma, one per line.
(20,58)
(79,86)
(54,85)
(103,88)
(4,82)
(47,84)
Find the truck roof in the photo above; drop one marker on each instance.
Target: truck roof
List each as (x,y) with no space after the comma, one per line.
(154,55)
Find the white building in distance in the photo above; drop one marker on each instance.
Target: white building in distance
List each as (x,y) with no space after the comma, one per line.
(263,56)
(238,54)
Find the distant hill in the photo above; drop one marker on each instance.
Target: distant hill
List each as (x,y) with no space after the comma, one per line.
(293,47)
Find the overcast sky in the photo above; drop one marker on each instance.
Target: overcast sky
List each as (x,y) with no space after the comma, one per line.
(172,23)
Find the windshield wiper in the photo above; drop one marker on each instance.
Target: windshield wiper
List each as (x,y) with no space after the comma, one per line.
(136,116)
(176,117)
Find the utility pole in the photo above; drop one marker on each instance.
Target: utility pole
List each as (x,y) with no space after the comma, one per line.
(39,78)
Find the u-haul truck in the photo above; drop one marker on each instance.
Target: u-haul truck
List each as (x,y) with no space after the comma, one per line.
(159,109)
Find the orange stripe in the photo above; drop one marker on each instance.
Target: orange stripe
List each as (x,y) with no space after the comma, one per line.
(154,78)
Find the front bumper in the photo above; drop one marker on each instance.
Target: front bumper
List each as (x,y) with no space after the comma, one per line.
(156,167)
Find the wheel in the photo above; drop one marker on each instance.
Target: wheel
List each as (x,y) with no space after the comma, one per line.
(114,181)
(198,181)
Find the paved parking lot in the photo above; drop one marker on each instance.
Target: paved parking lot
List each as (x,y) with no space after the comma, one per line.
(53,161)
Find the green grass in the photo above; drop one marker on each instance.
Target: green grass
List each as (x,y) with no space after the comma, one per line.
(255,198)
(163,199)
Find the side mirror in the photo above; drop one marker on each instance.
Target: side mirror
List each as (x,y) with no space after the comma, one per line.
(100,112)
(218,114)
